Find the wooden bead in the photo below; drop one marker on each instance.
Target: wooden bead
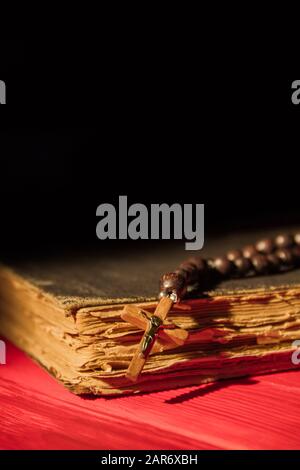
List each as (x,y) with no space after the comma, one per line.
(284,241)
(187,269)
(223,266)
(172,282)
(265,246)
(234,254)
(210,263)
(242,266)
(285,256)
(260,263)
(297,238)
(296,254)
(274,262)
(198,262)
(212,274)
(181,272)
(192,273)
(249,251)
(187,265)
(200,268)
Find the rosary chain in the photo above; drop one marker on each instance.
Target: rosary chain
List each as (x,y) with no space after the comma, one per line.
(271,255)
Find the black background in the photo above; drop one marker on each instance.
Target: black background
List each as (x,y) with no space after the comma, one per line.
(88,121)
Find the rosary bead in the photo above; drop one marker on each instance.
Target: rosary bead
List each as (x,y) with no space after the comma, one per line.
(210,263)
(249,251)
(212,273)
(187,265)
(242,265)
(191,271)
(296,254)
(223,266)
(297,238)
(265,246)
(274,262)
(198,262)
(260,263)
(201,269)
(172,282)
(232,255)
(182,273)
(284,241)
(286,257)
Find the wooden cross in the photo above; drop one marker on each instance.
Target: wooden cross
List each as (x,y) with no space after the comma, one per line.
(154,326)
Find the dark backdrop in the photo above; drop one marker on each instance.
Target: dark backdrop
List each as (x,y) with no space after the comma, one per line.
(86,122)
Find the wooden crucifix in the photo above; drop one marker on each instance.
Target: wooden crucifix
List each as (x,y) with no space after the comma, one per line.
(155,327)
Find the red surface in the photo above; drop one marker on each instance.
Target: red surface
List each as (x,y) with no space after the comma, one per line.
(255,413)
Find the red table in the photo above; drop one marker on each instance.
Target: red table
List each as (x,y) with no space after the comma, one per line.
(255,413)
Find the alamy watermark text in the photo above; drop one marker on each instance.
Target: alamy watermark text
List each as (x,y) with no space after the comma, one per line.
(2,353)
(160,221)
(2,92)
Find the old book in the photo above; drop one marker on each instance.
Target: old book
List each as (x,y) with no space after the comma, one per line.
(65,313)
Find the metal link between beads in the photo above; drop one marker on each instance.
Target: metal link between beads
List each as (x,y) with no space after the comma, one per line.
(173,296)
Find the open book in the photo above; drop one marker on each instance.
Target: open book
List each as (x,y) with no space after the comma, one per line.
(66,314)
